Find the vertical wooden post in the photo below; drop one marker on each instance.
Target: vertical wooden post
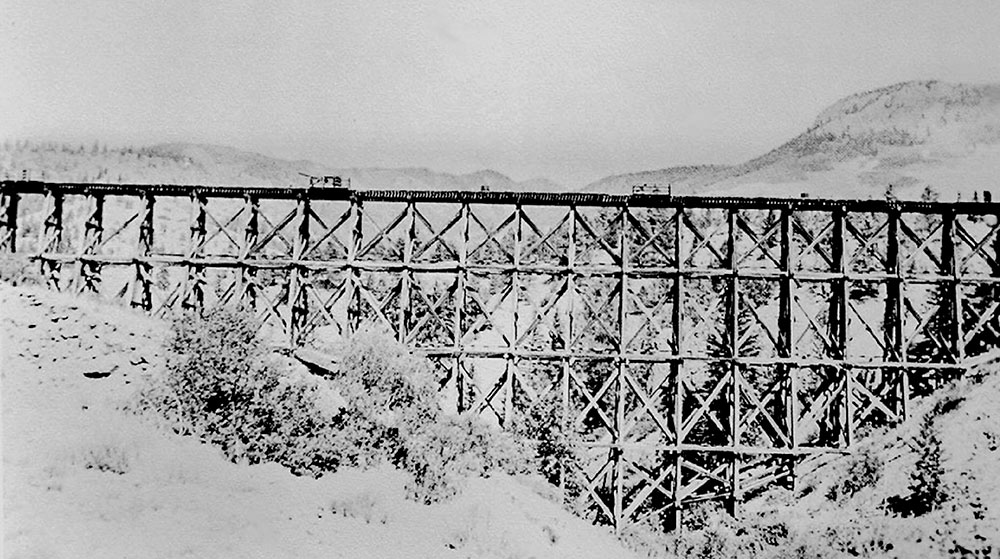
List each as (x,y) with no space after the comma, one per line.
(248,273)
(406,277)
(508,398)
(142,285)
(733,333)
(461,279)
(786,337)
(194,292)
(675,518)
(893,323)
(89,271)
(52,237)
(566,421)
(838,321)
(354,313)
(621,387)
(8,225)
(953,293)
(297,309)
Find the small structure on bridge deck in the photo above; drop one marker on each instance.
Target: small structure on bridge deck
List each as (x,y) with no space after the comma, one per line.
(327,180)
(653,189)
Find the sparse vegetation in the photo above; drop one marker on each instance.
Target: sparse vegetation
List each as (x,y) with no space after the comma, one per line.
(864,471)
(18,269)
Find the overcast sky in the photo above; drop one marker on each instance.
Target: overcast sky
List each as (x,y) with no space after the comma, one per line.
(569,89)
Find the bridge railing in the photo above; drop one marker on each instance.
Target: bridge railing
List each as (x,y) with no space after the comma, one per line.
(699,347)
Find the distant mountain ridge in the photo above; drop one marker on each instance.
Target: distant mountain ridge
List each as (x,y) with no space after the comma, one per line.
(903,137)
(184,163)
(909,135)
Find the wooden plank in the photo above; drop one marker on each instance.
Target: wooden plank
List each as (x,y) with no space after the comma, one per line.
(354,310)
(296,305)
(403,319)
(510,368)
(621,387)
(952,324)
(194,294)
(892,324)
(786,339)
(838,325)
(52,237)
(567,318)
(461,285)
(248,273)
(732,326)
(142,284)
(507,198)
(675,516)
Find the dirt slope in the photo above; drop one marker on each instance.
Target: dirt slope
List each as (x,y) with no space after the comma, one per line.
(82,479)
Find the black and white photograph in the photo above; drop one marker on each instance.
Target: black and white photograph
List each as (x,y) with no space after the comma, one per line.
(522,279)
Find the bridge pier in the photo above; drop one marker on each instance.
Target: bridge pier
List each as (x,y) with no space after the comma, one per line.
(247,271)
(89,272)
(142,284)
(52,237)
(8,225)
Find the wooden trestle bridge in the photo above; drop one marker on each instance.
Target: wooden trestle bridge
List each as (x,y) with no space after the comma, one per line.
(699,347)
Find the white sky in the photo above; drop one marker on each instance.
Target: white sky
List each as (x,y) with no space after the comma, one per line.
(569,89)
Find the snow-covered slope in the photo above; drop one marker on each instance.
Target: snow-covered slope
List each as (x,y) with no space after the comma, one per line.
(83,479)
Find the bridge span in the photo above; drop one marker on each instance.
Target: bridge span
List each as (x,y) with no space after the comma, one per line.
(699,347)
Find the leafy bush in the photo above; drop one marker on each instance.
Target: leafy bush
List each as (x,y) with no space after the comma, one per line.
(220,385)
(553,449)
(395,415)
(927,490)
(864,471)
(452,449)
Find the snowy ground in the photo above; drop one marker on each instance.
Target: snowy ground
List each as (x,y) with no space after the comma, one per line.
(83,479)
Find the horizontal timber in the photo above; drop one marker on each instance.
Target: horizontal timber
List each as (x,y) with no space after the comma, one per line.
(501,198)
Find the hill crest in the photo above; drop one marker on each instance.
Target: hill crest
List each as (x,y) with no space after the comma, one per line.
(910,135)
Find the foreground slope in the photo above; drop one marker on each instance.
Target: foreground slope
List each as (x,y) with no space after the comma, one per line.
(927,488)
(83,479)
